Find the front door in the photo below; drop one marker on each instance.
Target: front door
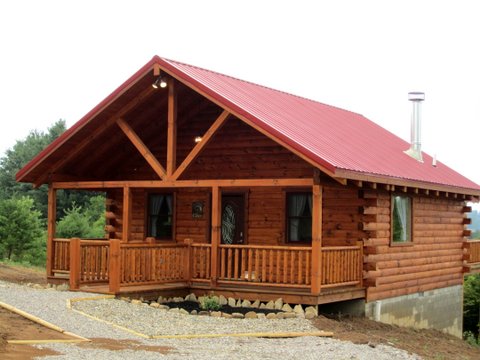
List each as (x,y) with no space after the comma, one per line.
(233,219)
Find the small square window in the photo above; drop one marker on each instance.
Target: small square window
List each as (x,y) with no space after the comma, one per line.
(160,216)
(401,219)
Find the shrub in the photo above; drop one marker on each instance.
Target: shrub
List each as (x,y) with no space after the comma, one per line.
(210,303)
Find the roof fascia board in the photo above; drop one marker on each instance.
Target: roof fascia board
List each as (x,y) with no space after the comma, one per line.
(353,175)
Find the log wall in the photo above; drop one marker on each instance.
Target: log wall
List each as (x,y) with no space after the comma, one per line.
(433,260)
(265,219)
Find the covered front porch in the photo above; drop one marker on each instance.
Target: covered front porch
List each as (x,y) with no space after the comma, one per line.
(306,273)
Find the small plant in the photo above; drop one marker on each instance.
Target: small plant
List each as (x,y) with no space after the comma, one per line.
(210,303)
(470,338)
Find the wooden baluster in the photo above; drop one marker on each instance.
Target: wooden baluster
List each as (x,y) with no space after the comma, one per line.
(236,264)
(264,265)
(300,272)
(277,265)
(285,266)
(270,265)
(223,272)
(292,267)
(208,262)
(250,261)
(229,263)
(257,265)
(243,266)
(307,267)
(188,261)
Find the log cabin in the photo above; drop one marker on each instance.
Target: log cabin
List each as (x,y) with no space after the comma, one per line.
(217,184)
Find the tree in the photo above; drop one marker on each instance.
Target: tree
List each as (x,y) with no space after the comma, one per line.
(88,222)
(22,152)
(20,227)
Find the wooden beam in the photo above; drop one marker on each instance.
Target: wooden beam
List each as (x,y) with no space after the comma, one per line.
(127,213)
(216,232)
(201,145)
(183,183)
(142,148)
(78,149)
(172,128)
(52,218)
(316,238)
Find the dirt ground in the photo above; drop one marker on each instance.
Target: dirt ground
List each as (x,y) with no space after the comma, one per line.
(430,344)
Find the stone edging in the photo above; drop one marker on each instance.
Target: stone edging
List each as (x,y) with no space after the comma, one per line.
(285,310)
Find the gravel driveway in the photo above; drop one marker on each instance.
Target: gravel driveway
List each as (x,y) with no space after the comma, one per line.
(50,305)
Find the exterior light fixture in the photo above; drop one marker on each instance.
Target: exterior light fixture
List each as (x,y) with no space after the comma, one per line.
(198,139)
(161,82)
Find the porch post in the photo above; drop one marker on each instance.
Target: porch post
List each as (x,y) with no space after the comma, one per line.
(75,263)
(316,236)
(216,222)
(127,213)
(52,217)
(114,266)
(172,128)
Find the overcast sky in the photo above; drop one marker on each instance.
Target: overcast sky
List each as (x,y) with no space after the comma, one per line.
(61,58)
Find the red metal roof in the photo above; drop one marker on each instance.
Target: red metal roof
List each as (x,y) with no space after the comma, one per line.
(338,140)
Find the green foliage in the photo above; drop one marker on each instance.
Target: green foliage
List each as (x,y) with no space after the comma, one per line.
(470,338)
(210,303)
(471,304)
(21,234)
(88,222)
(22,152)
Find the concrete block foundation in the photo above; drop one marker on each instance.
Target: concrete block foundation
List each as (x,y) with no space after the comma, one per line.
(440,309)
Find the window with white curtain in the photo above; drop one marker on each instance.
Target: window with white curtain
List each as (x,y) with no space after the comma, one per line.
(160,216)
(401,219)
(299,217)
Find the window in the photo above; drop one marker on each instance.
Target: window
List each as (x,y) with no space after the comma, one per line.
(401,219)
(160,216)
(299,217)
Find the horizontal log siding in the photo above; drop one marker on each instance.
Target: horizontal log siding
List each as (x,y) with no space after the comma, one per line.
(266,216)
(188,227)
(341,215)
(434,259)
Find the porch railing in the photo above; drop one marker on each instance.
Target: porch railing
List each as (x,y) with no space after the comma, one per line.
(124,264)
(342,265)
(152,264)
(201,259)
(473,251)
(61,259)
(89,262)
(265,265)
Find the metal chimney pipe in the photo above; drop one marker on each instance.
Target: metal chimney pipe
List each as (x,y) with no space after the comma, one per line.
(415,150)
